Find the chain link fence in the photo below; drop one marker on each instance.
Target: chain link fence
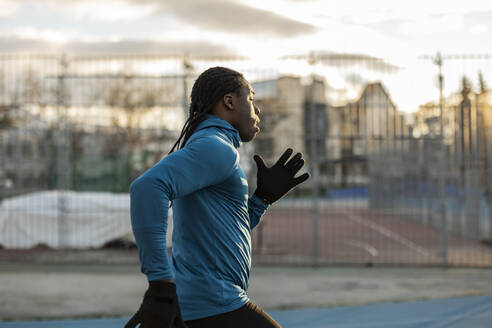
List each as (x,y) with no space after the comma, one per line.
(387,186)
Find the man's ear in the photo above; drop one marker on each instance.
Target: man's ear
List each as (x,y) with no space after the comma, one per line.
(228,101)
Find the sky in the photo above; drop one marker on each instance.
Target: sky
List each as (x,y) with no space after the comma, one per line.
(264,31)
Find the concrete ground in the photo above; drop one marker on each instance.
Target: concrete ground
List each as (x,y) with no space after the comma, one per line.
(43,291)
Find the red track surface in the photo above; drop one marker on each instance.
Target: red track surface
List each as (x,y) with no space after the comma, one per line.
(357,235)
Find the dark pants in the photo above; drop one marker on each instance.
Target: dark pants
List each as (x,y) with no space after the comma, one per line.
(249,315)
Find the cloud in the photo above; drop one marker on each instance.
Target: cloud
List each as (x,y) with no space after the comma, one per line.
(408,19)
(12,44)
(447,32)
(195,48)
(433,24)
(367,12)
(454,25)
(229,16)
(479,28)
(478,17)
(355,79)
(232,17)
(9,7)
(51,35)
(25,45)
(479,22)
(344,60)
(108,10)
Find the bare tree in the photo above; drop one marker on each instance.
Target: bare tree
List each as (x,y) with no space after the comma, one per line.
(3,90)
(134,100)
(466,87)
(481,83)
(29,90)
(114,142)
(31,87)
(6,119)
(76,139)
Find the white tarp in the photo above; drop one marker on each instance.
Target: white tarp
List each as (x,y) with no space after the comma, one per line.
(66,219)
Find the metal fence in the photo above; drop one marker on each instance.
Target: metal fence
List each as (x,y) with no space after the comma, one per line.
(387,187)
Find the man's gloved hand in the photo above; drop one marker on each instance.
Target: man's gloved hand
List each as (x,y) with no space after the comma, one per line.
(159,309)
(276,181)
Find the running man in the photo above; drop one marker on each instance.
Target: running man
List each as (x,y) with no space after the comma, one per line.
(213,215)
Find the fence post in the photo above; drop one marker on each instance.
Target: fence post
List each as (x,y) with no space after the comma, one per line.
(313,138)
(478,165)
(442,172)
(187,70)
(62,158)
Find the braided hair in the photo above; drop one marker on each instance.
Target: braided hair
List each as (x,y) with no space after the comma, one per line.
(207,90)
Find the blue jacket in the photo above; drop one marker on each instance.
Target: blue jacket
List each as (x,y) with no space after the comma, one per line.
(213,219)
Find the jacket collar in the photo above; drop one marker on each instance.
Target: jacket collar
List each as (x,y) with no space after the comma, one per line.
(215,121)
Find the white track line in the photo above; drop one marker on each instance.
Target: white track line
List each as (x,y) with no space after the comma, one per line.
(390,234)
(370,249)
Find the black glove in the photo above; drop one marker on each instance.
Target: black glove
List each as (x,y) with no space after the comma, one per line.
(159,309)
(276,181)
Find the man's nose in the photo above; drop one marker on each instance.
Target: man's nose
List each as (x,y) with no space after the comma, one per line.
(257,109)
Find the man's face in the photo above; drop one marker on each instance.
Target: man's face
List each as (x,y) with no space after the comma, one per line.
(246,114)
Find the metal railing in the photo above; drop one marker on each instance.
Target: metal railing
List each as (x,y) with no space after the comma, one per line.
(387,187)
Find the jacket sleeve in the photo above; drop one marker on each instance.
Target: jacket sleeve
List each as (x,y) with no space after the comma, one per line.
(256,209)
(203,162)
